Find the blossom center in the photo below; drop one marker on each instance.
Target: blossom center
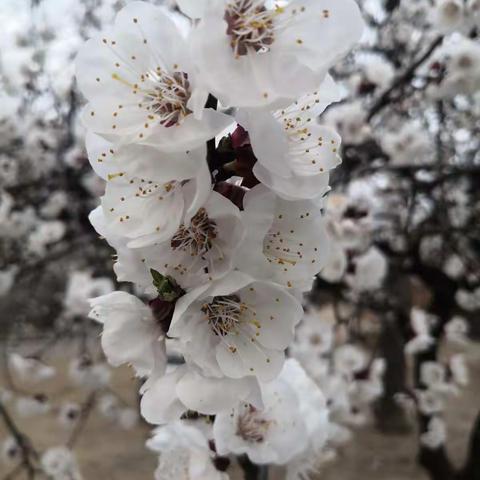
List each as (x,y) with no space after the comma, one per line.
(250,26)
(251,427)
(197,238)
(224,314)
(451,9)
(165,95)
(169,97)
(465,61)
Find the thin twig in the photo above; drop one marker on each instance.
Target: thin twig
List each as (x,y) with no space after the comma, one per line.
(26,449)
(83,419)
(402,80)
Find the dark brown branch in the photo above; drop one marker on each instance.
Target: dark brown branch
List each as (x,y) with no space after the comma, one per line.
(390,416)
(252,471)
(436,463)
(471,470)
(27,451)
(399,83)
(212,102)
(83,419)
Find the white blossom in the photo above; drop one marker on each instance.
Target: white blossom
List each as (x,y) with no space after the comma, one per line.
(430,402)
(142,209)
(45,234)
(456,330)
(349,119)
(131,334)
(286,241)
(108,406)
(273,435)
(141,85)
(80,288)
(350,222)
(29,370)
(252,54)
(314,336)
(7,278)
(454,267)
(407,145)
(184,453)
(421,324)
(56,202)
(377,70)
(128,418)
(336,267)
(468,300)
(433,375)
(459,370)
(236,326)
(166,397)
(294,152)
(293,421)
(203,247)
(87,374)
(60,464)
(370,271)
(28,406)
(461,59)
(349,359)
(435,435)
(448,15)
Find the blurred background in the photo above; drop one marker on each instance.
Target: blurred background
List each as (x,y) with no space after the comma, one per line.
(402,289)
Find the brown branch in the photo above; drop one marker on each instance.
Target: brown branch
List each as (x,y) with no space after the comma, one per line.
(59,254)
(251,471)
(436,463)
(23,442)
(400,82)
(471,471)
(83,419)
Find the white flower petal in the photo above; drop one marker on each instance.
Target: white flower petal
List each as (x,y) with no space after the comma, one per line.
(213,395)
(160,403)
(130,334)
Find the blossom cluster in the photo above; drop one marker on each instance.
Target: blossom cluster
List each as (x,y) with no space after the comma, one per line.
(204,128)
(349,379)
(439,379)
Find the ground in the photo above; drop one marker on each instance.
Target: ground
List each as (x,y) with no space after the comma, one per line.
(107,452)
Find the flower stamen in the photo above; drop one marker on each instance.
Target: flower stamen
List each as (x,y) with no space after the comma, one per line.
(251,427)
(250,26)
(165,95)
(224,314)
(198,237)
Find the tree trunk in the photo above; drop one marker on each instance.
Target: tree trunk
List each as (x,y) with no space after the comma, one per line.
(390,417)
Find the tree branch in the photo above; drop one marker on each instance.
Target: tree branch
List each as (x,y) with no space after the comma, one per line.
(26,449)
(82,421)
(400,82)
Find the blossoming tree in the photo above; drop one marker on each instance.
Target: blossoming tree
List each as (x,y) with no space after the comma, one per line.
(266,297)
